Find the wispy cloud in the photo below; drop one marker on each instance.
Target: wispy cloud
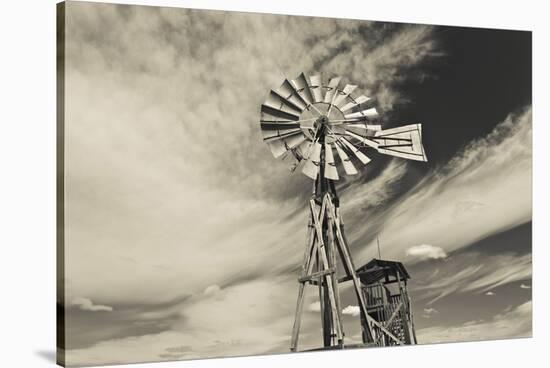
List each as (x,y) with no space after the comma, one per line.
(249,318)
(523,286)
(429,312)
(490,293)
(212,290)
(511,323)
(471,272)
(87,305)
(483,190)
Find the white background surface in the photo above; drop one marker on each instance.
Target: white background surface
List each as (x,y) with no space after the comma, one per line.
(27,181)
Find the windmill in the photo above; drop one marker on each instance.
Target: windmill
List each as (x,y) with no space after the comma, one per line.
(321,126)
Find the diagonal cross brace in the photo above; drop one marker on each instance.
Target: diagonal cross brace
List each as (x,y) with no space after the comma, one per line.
(394,314)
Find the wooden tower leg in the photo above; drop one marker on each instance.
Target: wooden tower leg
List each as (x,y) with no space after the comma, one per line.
(404,313)
(297,318)
(411,321)
(331,249)
(326,314)
(307,266)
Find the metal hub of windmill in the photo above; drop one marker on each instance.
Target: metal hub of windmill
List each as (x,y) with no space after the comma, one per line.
(310,120)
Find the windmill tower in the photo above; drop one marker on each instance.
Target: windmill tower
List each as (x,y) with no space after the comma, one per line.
(312,121)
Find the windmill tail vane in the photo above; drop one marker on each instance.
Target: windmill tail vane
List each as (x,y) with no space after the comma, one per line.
(327,128)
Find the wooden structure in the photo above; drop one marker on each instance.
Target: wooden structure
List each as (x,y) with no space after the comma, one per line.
(326,242)
(384,287)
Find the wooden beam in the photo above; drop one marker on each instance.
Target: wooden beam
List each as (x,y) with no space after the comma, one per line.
(324,259)
(415,340)
(297,318)
(322,287)
(310,259)
(322,304)
(388,322)
(332,260)
(309,242)
(404,316)
(316,275)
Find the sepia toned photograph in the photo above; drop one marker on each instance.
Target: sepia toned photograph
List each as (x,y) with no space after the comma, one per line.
(234,184)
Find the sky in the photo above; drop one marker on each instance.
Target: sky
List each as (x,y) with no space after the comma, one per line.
(184,236)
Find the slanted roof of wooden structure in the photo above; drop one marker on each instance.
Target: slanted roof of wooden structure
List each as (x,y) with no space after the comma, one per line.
(381,270)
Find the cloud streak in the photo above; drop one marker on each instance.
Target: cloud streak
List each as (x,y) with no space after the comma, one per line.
(472,272)
(87,305)
(511,323)
(429,312)
(249,318)
(483,190)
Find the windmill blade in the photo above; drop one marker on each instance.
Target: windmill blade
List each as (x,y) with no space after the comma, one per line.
(368,113)
(364,126)
(289,94)
(294,141)
(302,150)
(270,115)
(341,95)
(277,148)
(315,88)
(346,161)
(273,135)
(363,133)
(280,145)
(276,101)
(279,107)
(311,167)
(354,102)
(301,86)
(360,155)
(404,142)
(278,114)
(365,140)
(278,125)
(332,88)
(330,165)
